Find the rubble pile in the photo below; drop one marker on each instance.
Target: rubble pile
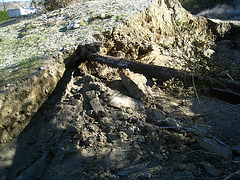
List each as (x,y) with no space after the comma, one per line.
(108,123)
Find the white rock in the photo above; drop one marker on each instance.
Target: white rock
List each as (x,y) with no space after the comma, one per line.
(121,101)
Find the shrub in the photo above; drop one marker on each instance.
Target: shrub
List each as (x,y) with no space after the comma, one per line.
(3,16)
(196,6)
(51,5)
(221,11)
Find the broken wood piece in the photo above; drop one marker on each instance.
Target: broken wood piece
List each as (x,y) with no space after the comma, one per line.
(134,83)
(36,170)
(215,147)
(95,103)
(225,95)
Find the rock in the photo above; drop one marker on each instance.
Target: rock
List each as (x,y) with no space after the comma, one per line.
(77,136)
(90,141)
(158,115)
(213,146)
(93,127)
(73,25)
(123,136)
(95,103)
(130,131)
(111,137)
(147,175)
(121,101)
(135,83)
(170,122)
(140,138)
(101,137)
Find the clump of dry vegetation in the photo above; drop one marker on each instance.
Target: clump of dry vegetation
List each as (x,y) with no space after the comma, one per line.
(51,5)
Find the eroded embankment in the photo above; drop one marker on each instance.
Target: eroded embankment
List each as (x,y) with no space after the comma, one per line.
(164,32)
(20,101)
(47,44)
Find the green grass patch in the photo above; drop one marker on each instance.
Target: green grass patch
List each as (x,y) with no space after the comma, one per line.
(18,72)
(3,16)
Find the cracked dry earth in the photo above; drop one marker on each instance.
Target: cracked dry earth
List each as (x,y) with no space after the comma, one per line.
(98,125)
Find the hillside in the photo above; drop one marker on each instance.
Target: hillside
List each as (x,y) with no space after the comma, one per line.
(119,90)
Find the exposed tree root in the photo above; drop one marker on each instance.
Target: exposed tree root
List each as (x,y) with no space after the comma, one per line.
(227,94)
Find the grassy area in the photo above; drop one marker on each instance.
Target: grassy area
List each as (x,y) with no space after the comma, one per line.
(17,73)
(3,16)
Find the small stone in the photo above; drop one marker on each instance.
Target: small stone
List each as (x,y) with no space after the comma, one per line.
(101,137)
(89,141)
(158,115)
(140,138)
(73,91)
(121,101)
(77,137)
(123,135)
(171,122)
(73,25)
(130,131)
(42,68)
(93,127)
(111,137)
(95,103)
